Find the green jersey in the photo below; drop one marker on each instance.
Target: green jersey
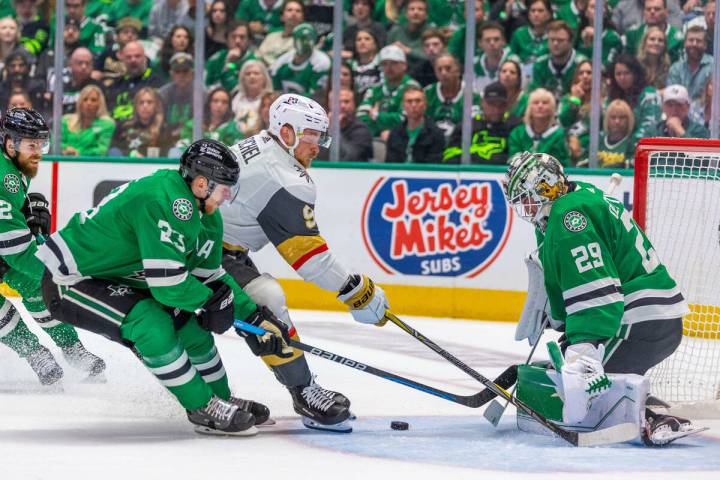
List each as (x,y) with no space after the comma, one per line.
(17,244)
(601,272)
(139,9)
(447,112)
(528,46)
(389,101)
(219,70)
(305,78)
(615,155)
(257,11)
(546,75)
(647,109)
(552,142)
(675,40)
(147,234)
(227,133)
(611,46)
(92,35)
(93,141)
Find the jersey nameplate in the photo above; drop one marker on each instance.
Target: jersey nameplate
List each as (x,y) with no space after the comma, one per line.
(575,221)
(248,149)
(182,209)
(11,183)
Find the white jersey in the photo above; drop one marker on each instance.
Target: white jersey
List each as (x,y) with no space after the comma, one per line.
(276,203)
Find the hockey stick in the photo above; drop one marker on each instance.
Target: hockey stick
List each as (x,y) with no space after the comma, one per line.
(618,433)
(494,412)
(506,379)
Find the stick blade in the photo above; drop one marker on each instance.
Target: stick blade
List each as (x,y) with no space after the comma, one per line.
(494,412)
(623,432)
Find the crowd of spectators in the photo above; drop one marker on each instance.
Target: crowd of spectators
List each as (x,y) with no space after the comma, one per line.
(129,67)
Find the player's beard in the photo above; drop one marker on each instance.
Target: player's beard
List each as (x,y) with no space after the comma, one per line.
(28,168)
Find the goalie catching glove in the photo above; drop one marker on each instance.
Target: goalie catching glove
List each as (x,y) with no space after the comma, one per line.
(37,214)
(275,341)
(583,378)
(366,300)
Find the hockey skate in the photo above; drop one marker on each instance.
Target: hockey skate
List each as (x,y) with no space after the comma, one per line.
(222,417)
(259,411)
(44,365)
(662,429)
(320,408)
(80,358)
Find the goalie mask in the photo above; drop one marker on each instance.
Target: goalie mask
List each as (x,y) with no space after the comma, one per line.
(532,183)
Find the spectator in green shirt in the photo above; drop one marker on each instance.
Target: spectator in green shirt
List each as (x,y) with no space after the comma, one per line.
(263,16)
(654,57)
(616,148)
(540,132)
(456,44)
(530,42)
(611,44)
(555,70)
(574,112)
(655,13)
(417,139)
(89,131)
(223,67)
(217,124)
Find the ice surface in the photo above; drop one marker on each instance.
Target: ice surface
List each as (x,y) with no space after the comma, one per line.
(130,427)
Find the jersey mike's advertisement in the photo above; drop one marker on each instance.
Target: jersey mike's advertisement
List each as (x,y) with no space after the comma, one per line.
(444,235)
(435,227)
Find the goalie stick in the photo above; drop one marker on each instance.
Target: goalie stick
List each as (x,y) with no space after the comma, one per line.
(619,433)
(505,380)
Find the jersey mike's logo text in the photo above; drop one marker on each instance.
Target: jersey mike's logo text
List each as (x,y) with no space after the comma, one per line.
(446,227)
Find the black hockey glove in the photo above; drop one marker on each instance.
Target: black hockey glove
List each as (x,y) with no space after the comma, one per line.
(274,342)
(217,315)
(37,214)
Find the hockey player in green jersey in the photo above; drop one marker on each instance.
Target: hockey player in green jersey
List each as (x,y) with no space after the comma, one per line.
(143,268)
(619,308)
(24,216)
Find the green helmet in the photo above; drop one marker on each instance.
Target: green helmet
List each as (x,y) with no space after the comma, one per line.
(532,183)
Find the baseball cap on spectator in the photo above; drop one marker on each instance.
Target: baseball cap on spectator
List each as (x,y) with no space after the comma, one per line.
(71,22)
(181,60)
(495,92)
(394,53)
(129,22)
(676,93)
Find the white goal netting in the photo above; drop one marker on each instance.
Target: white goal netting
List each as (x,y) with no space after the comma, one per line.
(683,221)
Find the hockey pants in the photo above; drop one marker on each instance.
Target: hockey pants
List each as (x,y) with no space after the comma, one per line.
(292,371)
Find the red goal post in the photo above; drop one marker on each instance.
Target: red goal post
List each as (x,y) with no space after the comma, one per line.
(676,201)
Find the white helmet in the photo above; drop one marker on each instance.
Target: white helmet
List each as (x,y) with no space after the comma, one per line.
(300,113)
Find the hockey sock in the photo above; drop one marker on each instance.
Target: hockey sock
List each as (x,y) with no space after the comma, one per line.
(15,334)
(293,374)
(210,368)
(174,370)
(62,334)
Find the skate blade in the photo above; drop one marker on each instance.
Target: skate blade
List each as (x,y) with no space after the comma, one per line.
(663,438)
(270,422)
(219,433)
(343,427)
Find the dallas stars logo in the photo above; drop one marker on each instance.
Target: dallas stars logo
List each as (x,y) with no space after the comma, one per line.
(11,183)
(575,221)
(182,209)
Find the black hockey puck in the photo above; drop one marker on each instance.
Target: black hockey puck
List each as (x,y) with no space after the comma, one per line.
(396,425)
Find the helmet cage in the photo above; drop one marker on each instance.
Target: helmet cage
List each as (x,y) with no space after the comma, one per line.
(532,185)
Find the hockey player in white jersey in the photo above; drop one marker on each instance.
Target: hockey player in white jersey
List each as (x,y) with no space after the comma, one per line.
(274,203)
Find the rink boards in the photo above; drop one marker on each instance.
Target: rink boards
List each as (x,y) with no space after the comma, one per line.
(441,240)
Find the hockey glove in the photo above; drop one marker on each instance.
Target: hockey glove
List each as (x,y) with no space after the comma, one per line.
(37,214)
(583,378)
(217,315)
(366,300)
(276,339)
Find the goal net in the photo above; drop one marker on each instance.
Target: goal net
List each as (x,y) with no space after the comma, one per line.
(677,203)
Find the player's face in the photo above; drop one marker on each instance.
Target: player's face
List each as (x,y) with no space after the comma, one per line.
(309,146)
(219,195)
(29,153)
